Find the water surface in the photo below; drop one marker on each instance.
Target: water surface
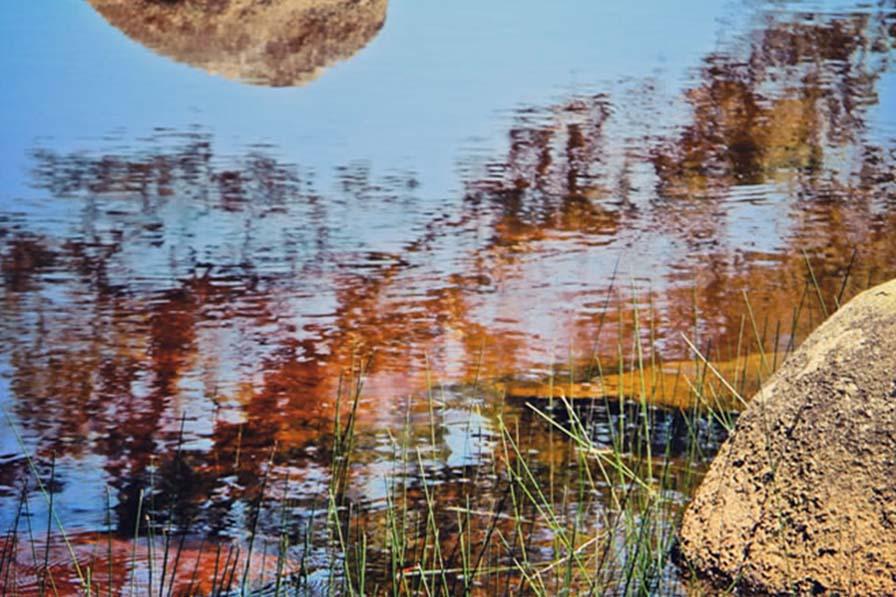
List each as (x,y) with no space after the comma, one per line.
(476,193)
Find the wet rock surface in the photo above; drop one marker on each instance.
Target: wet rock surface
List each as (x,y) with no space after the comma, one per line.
(273,42)
(802,497)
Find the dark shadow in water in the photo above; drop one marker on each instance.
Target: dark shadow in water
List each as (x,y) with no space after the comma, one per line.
(276,43)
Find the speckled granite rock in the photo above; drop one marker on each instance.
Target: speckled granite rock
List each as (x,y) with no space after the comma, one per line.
(802,496)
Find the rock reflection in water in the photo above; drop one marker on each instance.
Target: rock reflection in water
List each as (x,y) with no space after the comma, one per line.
(277,43)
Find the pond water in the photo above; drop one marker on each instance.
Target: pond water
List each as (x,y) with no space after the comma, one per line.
(202,243)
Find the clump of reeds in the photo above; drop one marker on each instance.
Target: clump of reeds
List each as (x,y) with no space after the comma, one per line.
(552,508)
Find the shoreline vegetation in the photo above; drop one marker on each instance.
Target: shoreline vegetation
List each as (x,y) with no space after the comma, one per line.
(600,515)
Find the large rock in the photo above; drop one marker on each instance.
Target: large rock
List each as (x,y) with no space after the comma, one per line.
(268,42)
(802,496)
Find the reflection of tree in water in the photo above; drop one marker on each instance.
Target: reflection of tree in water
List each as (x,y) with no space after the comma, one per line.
(171,323)
(553,176)
(183,167)
(785,112)
(783,115)
(792,115)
